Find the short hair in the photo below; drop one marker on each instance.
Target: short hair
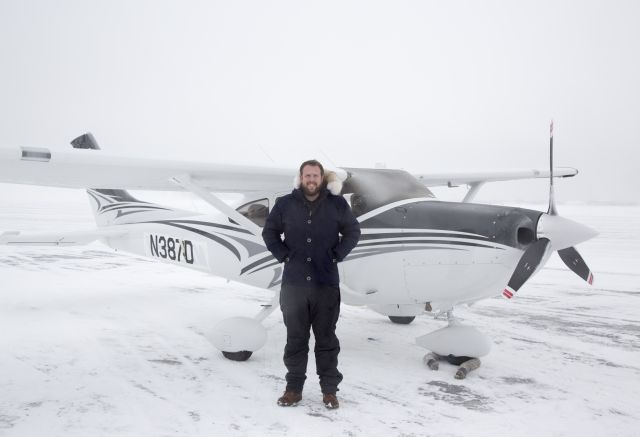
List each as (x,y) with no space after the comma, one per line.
(313,163)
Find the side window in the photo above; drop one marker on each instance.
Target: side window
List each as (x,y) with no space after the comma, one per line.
(359,204)
(256,211)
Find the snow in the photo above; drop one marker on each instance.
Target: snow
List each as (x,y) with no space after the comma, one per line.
(94,342)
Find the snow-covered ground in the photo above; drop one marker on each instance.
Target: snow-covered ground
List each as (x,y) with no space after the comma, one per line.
(97,343)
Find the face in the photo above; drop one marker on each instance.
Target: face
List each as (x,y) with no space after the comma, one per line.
(310,180)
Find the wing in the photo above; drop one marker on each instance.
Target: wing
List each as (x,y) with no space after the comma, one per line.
(81,168)
(455,179)
(72,238)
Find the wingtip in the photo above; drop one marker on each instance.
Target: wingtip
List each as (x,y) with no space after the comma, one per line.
(4,236)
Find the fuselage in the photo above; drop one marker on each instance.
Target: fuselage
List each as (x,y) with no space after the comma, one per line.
(411,252)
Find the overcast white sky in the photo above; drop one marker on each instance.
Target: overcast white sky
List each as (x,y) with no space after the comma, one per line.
(428,86)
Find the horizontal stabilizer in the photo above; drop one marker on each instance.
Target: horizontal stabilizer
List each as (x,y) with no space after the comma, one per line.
(72,238)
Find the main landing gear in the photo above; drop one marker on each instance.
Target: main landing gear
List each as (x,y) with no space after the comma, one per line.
(237,356)
(458,344)
(239,337)
(402,320)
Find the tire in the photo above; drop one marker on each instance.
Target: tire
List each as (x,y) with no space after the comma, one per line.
(237,356)
(402,320)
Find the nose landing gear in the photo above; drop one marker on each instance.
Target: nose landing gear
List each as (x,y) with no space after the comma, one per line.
(458,344)
(466,364)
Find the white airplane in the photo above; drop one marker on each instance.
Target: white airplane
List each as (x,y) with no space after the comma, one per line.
(416,254)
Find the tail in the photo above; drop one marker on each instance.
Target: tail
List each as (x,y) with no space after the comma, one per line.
(117,207)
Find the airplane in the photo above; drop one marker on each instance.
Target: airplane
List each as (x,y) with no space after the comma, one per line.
(417,255)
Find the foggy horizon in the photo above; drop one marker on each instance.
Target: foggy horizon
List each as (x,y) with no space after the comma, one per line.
(421,86)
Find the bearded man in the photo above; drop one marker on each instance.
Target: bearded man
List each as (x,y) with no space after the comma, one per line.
(319,231)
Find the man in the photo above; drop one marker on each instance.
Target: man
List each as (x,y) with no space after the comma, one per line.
(312,219)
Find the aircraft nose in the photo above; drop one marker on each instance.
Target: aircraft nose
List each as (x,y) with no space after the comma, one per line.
(562,232)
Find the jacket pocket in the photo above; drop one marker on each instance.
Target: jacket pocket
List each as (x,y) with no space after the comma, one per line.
(330,262)
(290,256)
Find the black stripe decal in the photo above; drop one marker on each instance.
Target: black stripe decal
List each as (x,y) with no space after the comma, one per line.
(446,242)
(132,205)
(275,263)
(420,234)
(102,196)
(215,225)
(368,250)
(361,254)
(141,207)
(91,193)
(218,240)
(390,250)
(120,213)
(256,263)
(252,247)
(277,273)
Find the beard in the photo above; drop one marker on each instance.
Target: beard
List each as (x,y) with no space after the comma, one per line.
(310,189)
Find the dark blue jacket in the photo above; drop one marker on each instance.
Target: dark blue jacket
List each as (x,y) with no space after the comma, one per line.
(312,246)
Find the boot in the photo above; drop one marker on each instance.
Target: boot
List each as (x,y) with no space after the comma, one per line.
(330,401)
(289,398)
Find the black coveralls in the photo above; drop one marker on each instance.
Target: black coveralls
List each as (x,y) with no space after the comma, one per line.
(310,293)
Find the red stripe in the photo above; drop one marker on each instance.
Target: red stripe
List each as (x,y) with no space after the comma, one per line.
(507,294)
(590,278)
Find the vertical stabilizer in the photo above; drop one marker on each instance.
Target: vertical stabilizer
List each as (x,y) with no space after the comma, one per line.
(114,207)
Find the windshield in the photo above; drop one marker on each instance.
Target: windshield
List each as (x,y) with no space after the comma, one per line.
(373,188)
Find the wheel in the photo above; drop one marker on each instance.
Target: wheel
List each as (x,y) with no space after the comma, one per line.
(237,356)
(402,320)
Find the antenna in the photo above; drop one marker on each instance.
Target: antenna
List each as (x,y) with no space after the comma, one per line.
(552,201)
(328,159)
(266,154)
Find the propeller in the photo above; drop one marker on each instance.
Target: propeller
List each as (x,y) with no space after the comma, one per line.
(556,233)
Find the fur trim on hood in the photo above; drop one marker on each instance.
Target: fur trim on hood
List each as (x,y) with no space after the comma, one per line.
(330,180)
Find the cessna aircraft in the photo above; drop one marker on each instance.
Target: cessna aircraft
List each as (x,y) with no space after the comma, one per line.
(416,254)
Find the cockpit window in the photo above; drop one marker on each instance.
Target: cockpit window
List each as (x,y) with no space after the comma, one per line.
(256,211)
(373,188)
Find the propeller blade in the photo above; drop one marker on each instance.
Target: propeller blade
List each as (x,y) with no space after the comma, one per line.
(574,261)
(528,263)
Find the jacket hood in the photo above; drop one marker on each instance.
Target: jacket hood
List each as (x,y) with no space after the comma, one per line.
(330,180)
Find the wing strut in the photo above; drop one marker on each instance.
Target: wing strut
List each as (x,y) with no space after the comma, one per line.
(188,184)
(473,190)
